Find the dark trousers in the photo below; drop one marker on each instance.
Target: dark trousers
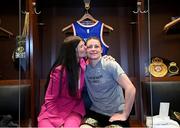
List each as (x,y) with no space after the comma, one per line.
(103,120)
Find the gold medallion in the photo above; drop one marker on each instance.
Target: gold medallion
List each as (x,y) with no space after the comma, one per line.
(157,68)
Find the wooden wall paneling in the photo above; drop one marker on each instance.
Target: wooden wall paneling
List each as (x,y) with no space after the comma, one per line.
(141,57)
(34,63)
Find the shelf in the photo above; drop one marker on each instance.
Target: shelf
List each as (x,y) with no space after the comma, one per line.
(172,78)
(13,82)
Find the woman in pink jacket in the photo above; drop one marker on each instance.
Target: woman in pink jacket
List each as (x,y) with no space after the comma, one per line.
(63,105)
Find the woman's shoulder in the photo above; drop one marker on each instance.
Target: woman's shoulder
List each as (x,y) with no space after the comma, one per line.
(57,69)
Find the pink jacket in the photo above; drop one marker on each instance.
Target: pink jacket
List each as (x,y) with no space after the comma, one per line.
(58,106)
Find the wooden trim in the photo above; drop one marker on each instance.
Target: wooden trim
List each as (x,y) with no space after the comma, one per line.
(172,78)
(14,82)
(34,63)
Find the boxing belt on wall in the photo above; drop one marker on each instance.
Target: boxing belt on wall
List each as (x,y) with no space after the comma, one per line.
(19,53)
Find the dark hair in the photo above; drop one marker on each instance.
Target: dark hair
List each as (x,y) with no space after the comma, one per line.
(68,59)
(93,37)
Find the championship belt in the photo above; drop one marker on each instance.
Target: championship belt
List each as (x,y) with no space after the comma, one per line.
(173,69)
(157,68)
(20,50)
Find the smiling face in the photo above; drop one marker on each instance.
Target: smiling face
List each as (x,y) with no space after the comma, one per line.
(81,50)
(94,49)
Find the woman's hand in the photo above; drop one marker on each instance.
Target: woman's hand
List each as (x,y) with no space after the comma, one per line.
(108,58)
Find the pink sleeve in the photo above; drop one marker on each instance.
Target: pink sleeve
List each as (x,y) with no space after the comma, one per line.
(53,89)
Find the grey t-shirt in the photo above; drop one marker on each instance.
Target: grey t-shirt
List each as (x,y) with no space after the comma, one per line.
(103,89)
